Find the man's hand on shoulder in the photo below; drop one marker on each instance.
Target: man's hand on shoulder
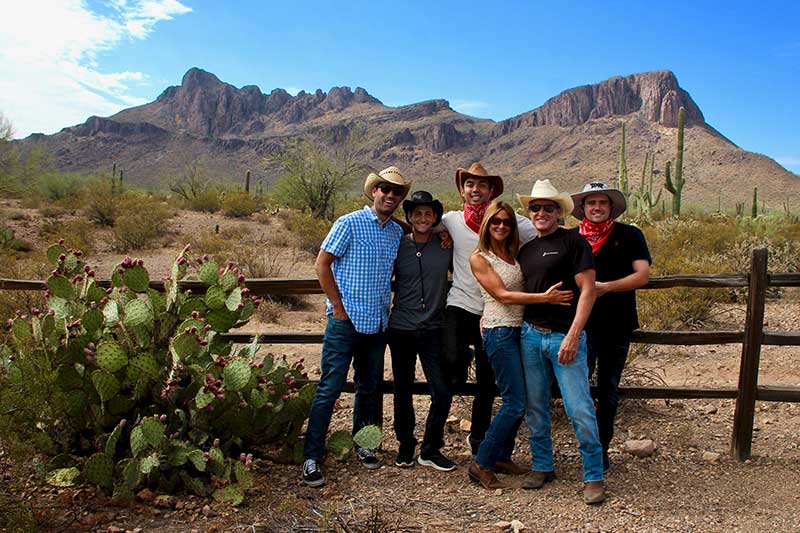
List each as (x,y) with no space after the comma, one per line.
(447,239)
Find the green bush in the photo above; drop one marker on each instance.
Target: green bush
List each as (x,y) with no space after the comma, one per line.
(79,231)
(101,201)
(308,231)
(140,221)
(239,204)
(127,387)
(206,201)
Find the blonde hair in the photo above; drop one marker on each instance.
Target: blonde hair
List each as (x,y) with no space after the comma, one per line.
(485,238)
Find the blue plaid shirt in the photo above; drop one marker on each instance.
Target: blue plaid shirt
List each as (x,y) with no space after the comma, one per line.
(365,251)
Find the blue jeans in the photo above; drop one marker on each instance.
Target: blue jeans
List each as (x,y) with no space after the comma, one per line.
(342,344)
(540,362)
(502,347)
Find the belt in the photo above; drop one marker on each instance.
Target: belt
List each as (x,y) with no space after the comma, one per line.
(540,329)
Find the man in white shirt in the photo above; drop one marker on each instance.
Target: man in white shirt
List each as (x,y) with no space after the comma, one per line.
(465,305)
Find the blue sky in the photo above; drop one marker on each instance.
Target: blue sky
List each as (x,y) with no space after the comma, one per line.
(69,59)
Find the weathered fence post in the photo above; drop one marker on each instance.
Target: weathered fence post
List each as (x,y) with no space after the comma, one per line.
(751,352)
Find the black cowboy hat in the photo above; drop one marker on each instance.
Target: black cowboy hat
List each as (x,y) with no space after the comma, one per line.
(423,198)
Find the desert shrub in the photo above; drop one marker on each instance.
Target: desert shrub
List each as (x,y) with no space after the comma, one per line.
(239,204)
(9,243)
(80,232)
(101,201)
(140,221)
(206,201)
(217,244)
(128,387)
(308,231)
(55,187)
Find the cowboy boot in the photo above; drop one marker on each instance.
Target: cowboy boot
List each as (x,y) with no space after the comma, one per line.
(511,468)
(484,477)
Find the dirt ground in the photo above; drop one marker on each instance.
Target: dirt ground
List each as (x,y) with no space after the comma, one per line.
(676,489)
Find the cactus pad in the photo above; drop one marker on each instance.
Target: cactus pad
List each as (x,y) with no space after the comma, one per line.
(258,398)
(145,365)
(130,473)
(231,494)
(59,306)
(190,305)
(111,443)
(369,437)
(307,392)
(136,279)
(149,463)
(94,293)
(61,287)
(119,404)
(22,331)
(243,476)
(110,356)
(215,454)
(234,299)
(92,320)
(111,314)
(105,384)
(203,398)
(137,314)
(215,297)
(208,272)
(185,345)
(198,459)
(75,403)
(99,469)
(68,378)
(63,477)
(152,430)
(54,251)
(221,319)
(340,443)
(228,281)
(138,442)
(236,374)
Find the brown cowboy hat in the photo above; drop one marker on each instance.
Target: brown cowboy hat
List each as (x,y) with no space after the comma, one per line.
(476,170)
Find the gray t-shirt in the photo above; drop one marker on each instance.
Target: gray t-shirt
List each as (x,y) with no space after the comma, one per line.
(421,284)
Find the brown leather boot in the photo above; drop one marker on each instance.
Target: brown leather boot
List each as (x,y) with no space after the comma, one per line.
(511,468)
(535,479)
(485,478)
(594,492)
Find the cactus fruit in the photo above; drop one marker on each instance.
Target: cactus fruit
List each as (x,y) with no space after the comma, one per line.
(369,437)
(110,356)
(99,469)
(236,375)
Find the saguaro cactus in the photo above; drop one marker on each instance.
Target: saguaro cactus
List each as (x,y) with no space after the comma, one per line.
(754,209)
(644,198)
(247,182)
(623,167)
(675,186)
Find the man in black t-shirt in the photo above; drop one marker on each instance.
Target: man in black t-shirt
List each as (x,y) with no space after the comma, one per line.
(553,342)
(622,263)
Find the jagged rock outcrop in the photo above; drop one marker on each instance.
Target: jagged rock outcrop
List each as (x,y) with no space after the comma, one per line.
(656,95)
(441,137)
(421,109)
(97,125)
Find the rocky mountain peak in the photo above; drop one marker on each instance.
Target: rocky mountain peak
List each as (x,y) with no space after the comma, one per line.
(655,94)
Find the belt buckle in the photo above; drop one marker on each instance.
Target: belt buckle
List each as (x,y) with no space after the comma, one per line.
(540,329)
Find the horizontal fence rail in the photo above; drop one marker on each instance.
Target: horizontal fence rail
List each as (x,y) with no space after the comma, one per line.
(751,338)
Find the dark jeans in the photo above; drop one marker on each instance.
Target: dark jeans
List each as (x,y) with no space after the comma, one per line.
(405,346)
(462,330)
(607,351)
(341,345)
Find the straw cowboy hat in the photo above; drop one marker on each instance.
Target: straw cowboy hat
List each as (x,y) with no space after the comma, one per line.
(389,175)
(423,198)
(618,203)
(476,170)
(544,190)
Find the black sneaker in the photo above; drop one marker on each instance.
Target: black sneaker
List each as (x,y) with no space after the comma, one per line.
(368,458)
(436,460)
(312,473)
(405,457)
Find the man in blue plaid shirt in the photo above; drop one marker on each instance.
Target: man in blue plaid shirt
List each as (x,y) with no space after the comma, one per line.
(354,267)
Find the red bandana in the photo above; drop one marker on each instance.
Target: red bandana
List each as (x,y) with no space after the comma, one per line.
(473,215)
(596,234)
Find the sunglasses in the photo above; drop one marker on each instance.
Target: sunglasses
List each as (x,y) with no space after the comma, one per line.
(497,221)
(549,208)
(387,188)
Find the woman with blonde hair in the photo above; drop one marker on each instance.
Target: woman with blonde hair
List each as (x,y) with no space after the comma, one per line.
(494,265)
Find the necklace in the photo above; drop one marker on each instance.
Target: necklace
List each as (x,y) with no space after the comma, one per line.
(421,248)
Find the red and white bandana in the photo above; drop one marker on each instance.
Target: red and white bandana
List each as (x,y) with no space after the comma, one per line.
(473,215)
(596,234)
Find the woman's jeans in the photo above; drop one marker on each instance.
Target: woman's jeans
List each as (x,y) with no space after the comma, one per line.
(405,346)
(503,349)
(540,363)
(342,344)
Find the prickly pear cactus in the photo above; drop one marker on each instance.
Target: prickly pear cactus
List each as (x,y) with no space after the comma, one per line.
(369,437)
(147,378)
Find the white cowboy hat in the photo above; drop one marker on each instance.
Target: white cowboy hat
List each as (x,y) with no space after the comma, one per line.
(390,175)
(544,190)
(618,203)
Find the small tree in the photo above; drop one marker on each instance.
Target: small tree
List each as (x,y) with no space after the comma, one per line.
(315,177)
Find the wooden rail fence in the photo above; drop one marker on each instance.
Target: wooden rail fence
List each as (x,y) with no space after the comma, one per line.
(751,338)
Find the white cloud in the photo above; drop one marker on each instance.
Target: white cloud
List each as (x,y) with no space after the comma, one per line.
(469,107)
(49,53)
